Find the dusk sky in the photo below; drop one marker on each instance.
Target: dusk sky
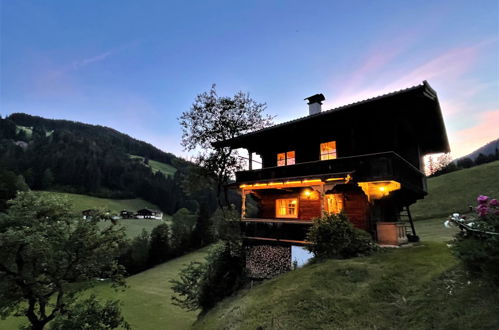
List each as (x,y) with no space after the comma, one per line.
(136,65)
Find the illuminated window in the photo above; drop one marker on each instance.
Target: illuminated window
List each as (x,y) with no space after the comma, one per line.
(286,158)
(334,203)
(286,208)
(328,150)
(281,159)
(290,158)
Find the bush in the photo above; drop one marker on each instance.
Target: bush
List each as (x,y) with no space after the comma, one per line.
(477,244)
(334,236)
(202,285)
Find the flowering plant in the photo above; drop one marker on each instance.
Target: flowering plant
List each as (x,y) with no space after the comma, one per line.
(477,244)
(486,220)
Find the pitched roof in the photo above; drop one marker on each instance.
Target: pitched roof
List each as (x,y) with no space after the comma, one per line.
(424,89)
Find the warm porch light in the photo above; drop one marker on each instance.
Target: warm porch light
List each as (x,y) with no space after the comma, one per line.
(307,193)
(379,189)
(291,184)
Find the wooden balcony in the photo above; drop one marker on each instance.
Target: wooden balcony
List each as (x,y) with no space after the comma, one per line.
(371,167)
(291,232)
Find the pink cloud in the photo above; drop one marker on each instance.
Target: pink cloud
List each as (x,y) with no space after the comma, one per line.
(469,139)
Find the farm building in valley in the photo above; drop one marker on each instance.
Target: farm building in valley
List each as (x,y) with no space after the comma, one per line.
(363,159)
(149,214)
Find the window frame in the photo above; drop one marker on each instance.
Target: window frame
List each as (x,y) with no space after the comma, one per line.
(286,158)
(287,216)
(327,155)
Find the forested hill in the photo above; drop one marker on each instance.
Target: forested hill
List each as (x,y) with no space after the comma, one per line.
(106,135)
(74,157)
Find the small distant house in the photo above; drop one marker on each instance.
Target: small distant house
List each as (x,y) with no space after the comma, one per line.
(125,214)
(149,214)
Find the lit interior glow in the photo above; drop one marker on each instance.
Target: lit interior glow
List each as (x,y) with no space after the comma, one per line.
(379,189)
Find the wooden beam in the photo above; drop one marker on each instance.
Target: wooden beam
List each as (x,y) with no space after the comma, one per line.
(250,157)
(243,203)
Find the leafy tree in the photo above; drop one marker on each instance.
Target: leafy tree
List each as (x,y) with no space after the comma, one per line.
(159,250)
(89,314)
(183,223)
(135,253)
(48,256)
(213,119)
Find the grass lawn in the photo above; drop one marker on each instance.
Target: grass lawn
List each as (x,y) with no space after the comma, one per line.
(454,192)
(434,230)
(156,166)
(146,303)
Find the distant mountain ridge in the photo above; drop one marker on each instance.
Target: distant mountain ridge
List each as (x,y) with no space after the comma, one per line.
(115,138)
(486,150)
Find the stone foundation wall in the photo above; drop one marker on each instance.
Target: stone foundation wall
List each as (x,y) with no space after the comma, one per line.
(267,261)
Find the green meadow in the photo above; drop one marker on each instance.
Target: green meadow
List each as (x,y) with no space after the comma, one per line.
(156,166)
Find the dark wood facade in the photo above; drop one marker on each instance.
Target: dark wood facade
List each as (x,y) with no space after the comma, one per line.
(377,169)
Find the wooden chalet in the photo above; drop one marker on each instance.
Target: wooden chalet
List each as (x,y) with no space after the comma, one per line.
(364,159)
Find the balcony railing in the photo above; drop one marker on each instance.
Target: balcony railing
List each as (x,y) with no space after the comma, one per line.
(276,230)
(371,167)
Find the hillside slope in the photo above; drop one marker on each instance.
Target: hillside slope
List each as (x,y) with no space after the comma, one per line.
(409,288)
(146,302)
(456,191)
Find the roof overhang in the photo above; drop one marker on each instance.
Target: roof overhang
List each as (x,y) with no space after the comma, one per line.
(420,103)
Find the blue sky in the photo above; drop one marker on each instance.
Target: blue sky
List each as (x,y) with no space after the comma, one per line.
(136,65)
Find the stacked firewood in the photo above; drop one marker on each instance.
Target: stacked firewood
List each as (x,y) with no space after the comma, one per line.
(267,261)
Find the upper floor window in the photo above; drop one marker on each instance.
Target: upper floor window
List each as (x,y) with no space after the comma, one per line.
(328,150)
(286,158)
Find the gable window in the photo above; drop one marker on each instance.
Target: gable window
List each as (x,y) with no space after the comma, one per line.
(328,150)
(286,208)
(286,158)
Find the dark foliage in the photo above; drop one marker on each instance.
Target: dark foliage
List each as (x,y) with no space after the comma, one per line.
(135,254)
(160,249)
(334,236)
(202,285)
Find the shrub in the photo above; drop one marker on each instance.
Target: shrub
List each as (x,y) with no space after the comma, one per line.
(202,285)
(477,244)
(333,236)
